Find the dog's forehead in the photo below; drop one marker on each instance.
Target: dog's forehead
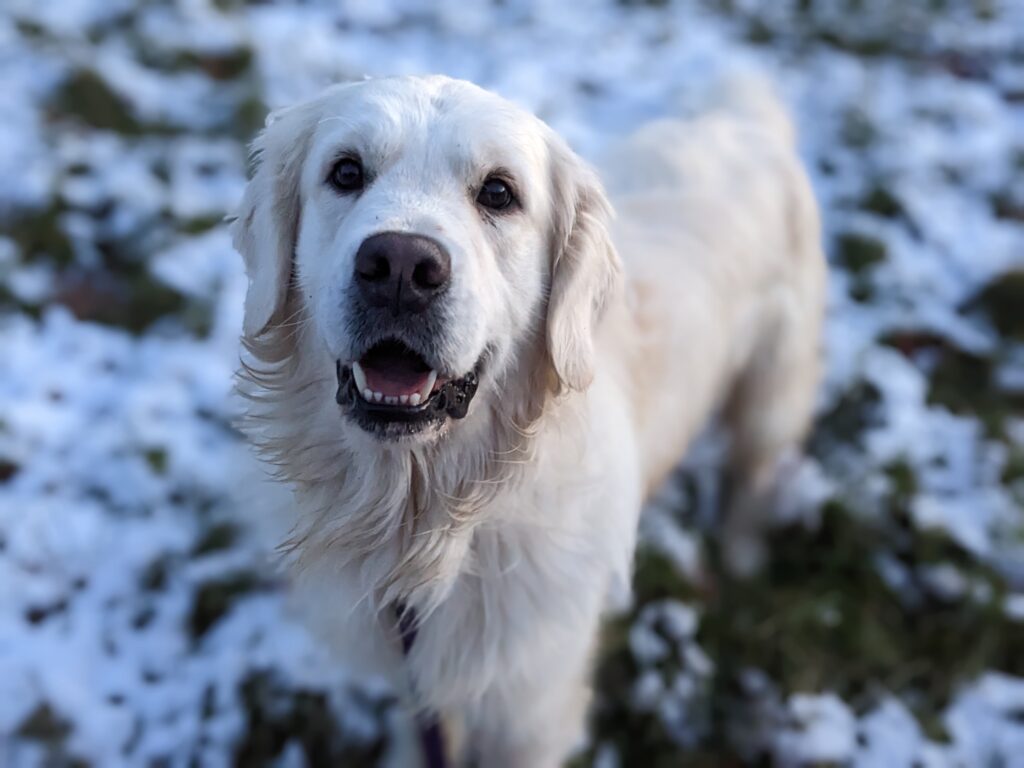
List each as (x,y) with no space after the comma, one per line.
(438,100)
(452,116)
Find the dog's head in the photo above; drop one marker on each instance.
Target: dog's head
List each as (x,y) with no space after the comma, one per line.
(431,234)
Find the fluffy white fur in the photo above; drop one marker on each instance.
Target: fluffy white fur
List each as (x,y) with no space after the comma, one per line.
(507,530)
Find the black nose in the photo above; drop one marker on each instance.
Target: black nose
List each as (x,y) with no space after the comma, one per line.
(402,271)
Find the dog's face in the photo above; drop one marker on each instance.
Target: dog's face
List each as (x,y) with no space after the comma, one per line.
(431,232)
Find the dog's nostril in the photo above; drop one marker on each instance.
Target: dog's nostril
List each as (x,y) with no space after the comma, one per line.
(430,274)
(374,269)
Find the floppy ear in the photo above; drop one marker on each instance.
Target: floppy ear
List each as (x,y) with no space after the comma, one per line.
(266,225)
(585,268)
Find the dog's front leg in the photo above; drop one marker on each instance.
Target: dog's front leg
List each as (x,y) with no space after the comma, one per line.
(535,720)
(531,726)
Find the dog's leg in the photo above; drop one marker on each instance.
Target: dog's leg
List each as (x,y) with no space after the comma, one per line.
(768,415)
(534,725)
(533,714)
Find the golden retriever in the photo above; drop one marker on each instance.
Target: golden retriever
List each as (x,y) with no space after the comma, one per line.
(471,376)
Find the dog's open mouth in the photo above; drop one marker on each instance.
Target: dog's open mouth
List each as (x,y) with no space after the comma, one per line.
(392,382)
(393,374)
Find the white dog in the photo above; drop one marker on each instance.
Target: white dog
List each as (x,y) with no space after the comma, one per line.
(471,394)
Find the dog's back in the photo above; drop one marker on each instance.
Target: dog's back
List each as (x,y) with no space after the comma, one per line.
(719,233)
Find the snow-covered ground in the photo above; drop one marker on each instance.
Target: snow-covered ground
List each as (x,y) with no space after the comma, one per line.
(141,624)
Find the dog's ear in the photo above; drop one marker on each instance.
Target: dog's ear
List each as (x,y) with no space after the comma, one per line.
(266,225)
(585,268)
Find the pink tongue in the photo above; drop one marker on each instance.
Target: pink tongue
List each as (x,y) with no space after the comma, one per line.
(395,382)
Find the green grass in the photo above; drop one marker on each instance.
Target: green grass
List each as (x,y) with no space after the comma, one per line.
(278,715)
(819,618)
(1002,303)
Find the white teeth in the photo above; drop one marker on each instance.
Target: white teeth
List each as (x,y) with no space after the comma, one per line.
(377,397)
(360,377)
(428,387)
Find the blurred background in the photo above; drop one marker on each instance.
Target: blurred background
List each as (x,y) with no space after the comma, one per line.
(139,622)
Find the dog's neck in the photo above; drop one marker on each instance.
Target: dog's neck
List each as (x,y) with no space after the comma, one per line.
(401,517)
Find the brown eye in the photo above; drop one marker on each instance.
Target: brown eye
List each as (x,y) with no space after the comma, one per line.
(347,175)
(495,194)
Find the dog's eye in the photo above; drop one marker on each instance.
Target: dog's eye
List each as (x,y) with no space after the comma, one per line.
(495,194)
(346,175)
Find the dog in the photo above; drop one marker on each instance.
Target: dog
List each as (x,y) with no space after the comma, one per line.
(470,376)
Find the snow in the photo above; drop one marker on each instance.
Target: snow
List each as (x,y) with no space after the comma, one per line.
(891,736)
(119,446)
(674,671)
(982,721)
(823,731)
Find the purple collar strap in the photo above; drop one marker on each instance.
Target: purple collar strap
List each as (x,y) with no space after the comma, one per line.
(428,723)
